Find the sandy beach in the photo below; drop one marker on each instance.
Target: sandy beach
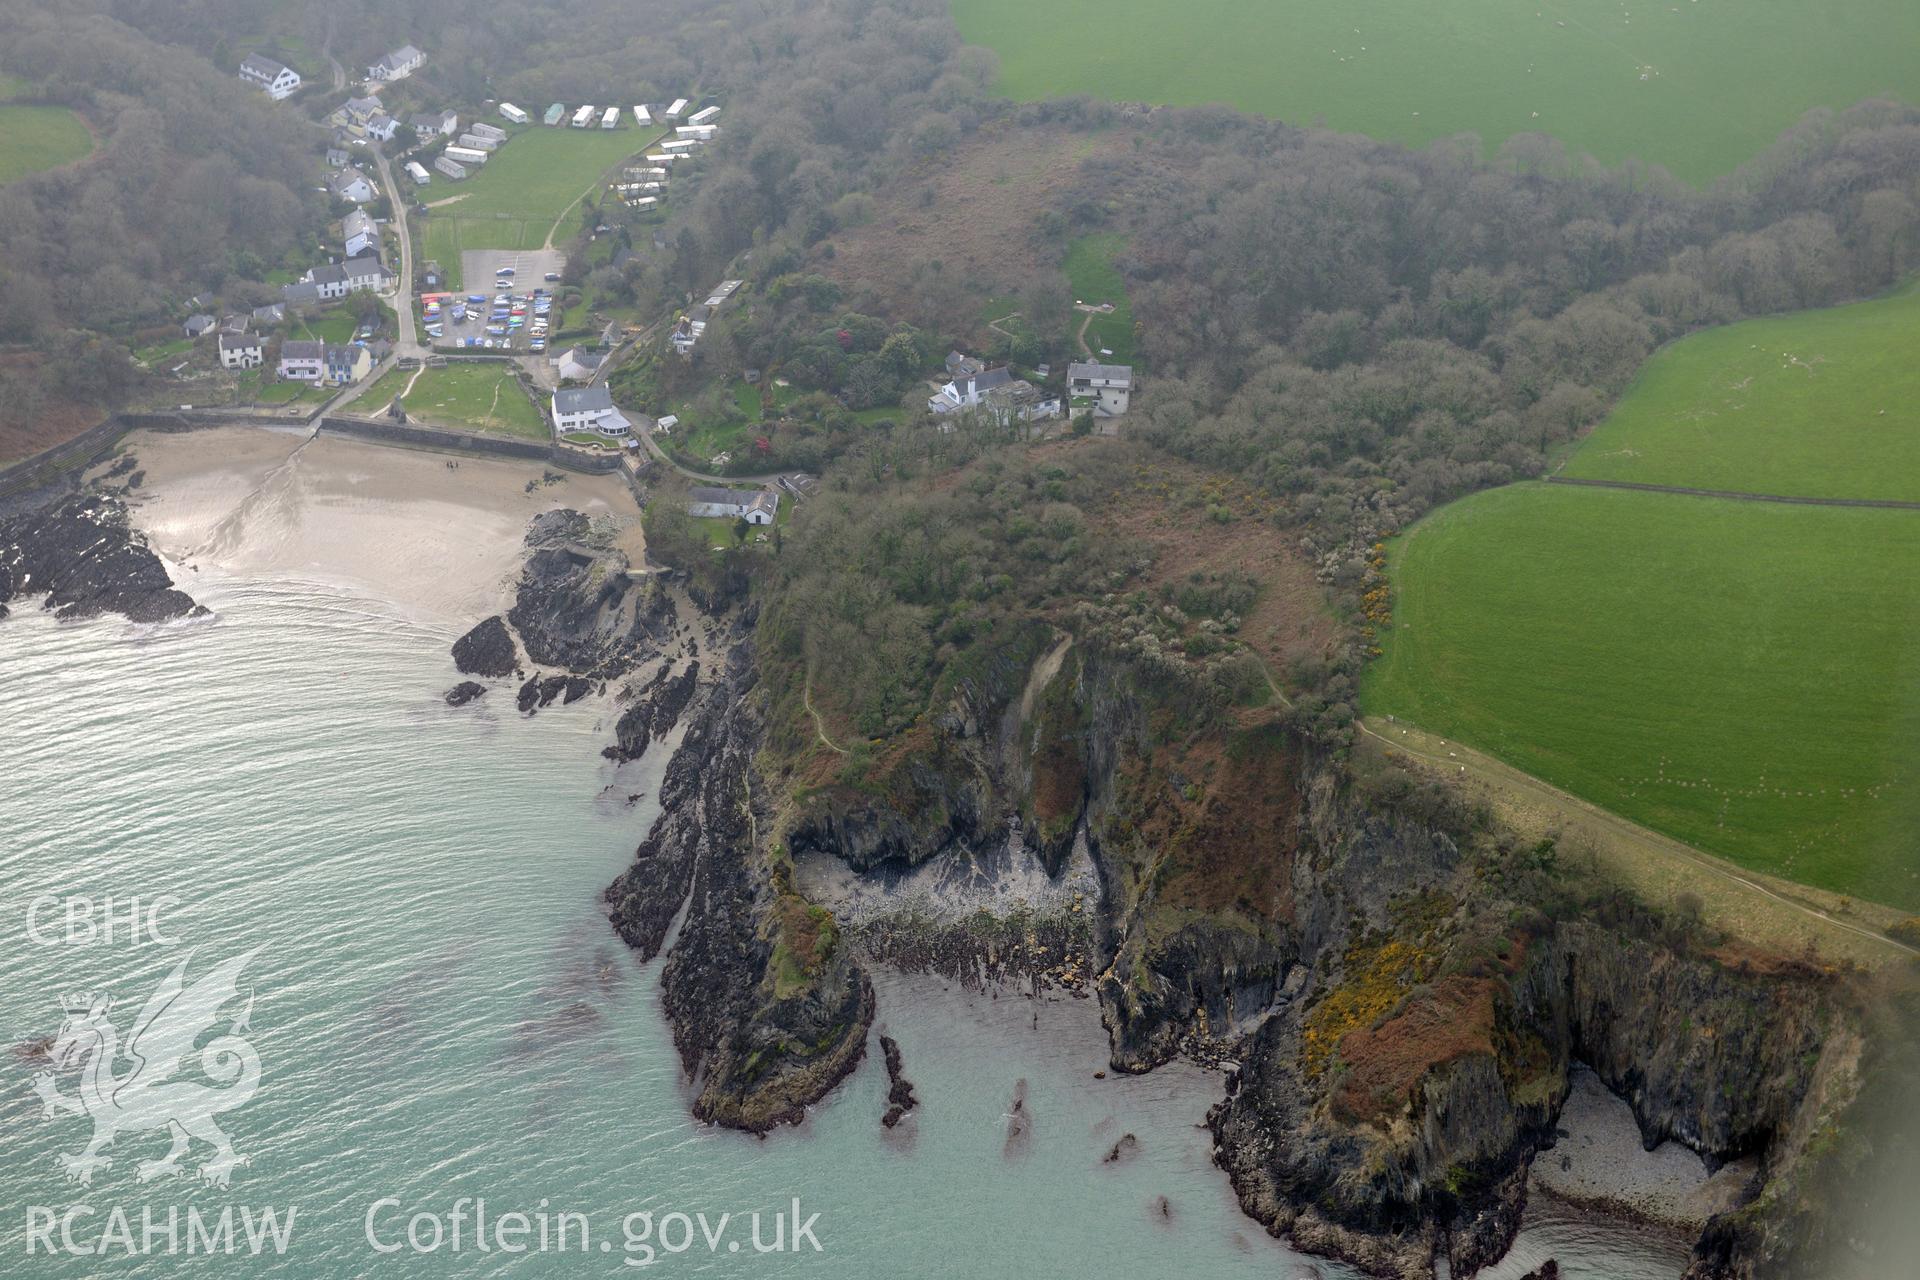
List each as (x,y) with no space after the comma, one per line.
(439,536)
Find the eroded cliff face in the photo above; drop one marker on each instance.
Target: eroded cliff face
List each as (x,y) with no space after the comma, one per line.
(768,1010)
(1397,1019)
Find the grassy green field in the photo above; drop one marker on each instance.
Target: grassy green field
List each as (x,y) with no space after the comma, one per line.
(1095,280)
(1744,676)
(476,395)
(34,139)
(1819,404)
(517,197)
(1696,87)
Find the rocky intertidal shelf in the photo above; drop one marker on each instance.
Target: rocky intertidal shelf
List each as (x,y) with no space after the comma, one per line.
(83,555)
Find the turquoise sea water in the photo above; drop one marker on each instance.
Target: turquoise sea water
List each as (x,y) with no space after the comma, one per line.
(441,1011)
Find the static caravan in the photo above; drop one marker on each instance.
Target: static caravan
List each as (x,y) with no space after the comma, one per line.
(452,168)
(679,146)
(645,203)
(584,116)
(493,131)
(474,142)
(512,113)
(698,132)
(642,117)
(555,113)
(465,155)
(705,115)
(418,172)
(677,109)
(610,118)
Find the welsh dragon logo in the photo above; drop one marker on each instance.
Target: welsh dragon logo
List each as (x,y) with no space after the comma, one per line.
(132,1088)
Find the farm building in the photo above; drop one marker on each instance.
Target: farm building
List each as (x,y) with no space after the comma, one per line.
(397,65)
(482,129)
(476,142)
(677,109)
(642,116)
(466,155)
(755,506)
(418,172)
(705,115)
(584,116)
(276,80)
(1109,386)
(452,168)
(555,114)
(512,113)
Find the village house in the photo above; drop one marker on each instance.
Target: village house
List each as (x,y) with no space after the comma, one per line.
(272,313)
(338,157)
(968,389)
(1109,386)
(301,293)
(1019,401)
(959,366)
(435,124)
(280,82)
(199,323)
(338,279)
(396,65)
(353,114)
(588,409)
(351,185)
(241,351)
(347,363)
(383,127)
(755,506)
(360,233)
(302,361)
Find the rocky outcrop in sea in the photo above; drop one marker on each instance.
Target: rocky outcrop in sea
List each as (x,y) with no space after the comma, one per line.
(84,556)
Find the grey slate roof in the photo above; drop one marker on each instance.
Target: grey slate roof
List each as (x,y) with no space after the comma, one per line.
(1093,371)
(571,400)
(255,65)
(299,292)
(726,497)
(230,341)
(301,349)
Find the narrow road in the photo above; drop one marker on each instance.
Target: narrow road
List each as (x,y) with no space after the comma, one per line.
(409,344)
(1883,503)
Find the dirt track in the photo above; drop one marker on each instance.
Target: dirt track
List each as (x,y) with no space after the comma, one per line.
(1736,496)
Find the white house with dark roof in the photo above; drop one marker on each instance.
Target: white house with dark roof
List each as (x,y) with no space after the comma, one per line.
(302,361)
(338,279)
(755,506)
(397,64)
(351,185)
(578,364)
(383,127)
(276,79)
(1109,386)
(359,233)
(436,124)
(967,390)
(241,351)
(588,409)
